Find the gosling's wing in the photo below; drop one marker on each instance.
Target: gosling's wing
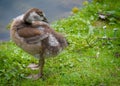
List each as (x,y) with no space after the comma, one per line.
(32,34)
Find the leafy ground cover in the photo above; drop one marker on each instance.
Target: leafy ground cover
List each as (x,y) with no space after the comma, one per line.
(91,59)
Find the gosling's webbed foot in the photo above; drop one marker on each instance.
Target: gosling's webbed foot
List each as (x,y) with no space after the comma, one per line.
(33,66)
(34,76)
(37,76)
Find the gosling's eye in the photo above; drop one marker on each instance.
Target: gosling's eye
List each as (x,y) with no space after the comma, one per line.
(41,14)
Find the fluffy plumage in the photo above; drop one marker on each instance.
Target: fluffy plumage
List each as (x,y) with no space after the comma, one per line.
(32,33)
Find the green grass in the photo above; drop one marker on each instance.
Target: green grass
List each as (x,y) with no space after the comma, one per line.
(91,59)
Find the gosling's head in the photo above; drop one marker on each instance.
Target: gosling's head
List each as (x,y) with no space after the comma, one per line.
(34,14)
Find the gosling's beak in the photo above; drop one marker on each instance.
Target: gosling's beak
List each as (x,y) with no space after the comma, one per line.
(45,20)
(42,19)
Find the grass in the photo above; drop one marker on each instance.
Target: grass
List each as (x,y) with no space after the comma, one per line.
(91,59)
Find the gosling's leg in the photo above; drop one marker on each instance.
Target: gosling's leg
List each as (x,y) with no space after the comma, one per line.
(41,63)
